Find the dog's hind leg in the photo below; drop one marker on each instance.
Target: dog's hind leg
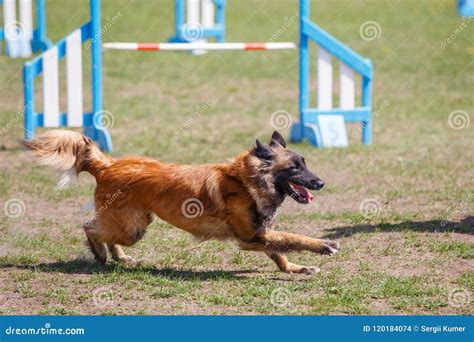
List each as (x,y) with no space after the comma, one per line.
(284,265)
(96,247)
(119,255)
(123,228)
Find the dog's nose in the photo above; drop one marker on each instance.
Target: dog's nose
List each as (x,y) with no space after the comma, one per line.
(319,184)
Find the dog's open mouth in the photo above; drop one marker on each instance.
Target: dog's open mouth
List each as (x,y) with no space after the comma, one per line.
(299,193)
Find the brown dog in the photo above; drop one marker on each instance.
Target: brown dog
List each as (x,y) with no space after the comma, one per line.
(234,200)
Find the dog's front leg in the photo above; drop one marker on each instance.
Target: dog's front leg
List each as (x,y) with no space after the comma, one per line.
(274,244)
(287,242)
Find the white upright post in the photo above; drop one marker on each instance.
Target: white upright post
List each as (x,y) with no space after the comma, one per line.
(51,88)
(347,87)
(207,13)
(194,26)
(324,90)
(192,11)
(26,22)
(10,27)
(74,79)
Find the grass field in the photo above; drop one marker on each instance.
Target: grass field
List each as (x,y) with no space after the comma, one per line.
(410,252)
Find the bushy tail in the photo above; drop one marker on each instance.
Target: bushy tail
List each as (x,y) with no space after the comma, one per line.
(68,152)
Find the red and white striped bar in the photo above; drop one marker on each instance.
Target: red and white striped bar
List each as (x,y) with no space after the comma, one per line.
(198,46)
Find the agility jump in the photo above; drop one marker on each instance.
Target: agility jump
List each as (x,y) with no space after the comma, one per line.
(312,119)
(21,36)
(317,122)
(46,65)
(204,19)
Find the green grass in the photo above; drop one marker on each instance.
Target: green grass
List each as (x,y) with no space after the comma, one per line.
(459,249)
(405,260)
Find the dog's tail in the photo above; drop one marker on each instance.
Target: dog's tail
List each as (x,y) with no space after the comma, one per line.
(68,152)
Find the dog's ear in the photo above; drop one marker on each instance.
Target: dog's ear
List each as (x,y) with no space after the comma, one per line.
(277,139)
(263,151)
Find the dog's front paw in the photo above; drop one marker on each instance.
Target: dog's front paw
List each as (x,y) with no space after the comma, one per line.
(329,247)
(309,270)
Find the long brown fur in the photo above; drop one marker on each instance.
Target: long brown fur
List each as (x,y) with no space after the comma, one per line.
(228,201)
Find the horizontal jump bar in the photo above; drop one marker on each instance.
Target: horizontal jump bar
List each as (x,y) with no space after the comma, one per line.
(197,46)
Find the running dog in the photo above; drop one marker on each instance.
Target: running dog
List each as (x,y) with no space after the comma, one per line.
(236,200)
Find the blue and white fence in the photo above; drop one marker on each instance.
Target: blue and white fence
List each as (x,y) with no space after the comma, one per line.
(466,8)
(47,65)
(21,34)
(314,118)
(197,20)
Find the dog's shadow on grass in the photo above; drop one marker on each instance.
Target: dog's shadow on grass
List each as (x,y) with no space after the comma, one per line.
(83,266)
(466,226)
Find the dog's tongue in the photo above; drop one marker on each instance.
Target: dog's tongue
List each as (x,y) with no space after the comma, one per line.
(303,192)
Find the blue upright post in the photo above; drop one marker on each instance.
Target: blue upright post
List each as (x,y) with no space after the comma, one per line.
(1,28)
(367,102)
(304,64)
(28,88)
(301,129)
(40,41)
(179,22)
(465,8)
(179,17)
(220,19)
(99,133)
